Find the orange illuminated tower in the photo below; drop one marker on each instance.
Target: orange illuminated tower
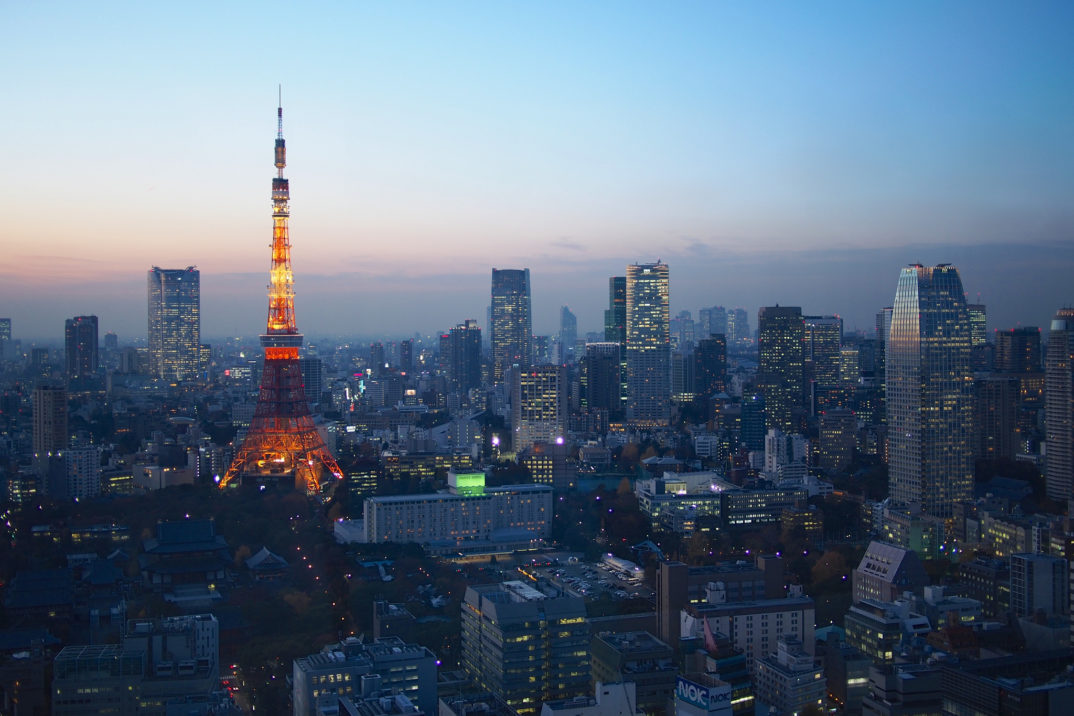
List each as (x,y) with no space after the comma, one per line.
(282,440)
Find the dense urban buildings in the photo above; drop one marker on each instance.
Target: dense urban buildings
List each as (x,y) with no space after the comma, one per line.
(648,344)
(512,322)
(930,392)
(174,323)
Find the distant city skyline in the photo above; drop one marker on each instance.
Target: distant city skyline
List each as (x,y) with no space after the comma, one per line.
(792,155)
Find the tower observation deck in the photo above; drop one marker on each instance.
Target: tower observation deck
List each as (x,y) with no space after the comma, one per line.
(282,440)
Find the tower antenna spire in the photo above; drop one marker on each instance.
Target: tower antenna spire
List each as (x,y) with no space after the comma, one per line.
(279,113)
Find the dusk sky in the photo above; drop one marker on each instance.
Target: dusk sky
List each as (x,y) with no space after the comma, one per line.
(798,153)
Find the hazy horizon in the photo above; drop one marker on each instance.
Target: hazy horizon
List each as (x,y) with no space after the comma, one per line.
(794,155)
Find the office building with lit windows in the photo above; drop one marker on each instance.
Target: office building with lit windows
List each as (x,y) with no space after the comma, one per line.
(1059,406)
(648,345)
(930,392)
(821,357)
(538,404)
(512,322)
(780,368)
(525,646)
(174,323)
(348,668)
(479,520)
(753,626)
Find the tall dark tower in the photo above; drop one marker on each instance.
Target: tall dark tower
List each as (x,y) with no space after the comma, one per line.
(80,347)
(282,440)
(779,375)
(512,324)
(1059,406)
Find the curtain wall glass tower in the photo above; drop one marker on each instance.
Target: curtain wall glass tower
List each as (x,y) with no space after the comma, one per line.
(282,440)
(930,392)
(512,323)
(1059,406)
(648,344)
(174,323)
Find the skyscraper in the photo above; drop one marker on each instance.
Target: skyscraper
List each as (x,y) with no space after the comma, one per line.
(821,356)
(568,334)
(5,339)
(80,347)
(460,356)
(1059,406)
(174,323)
(1018,350)
(710,371)
(738,325)
(930,392)
(512,322)
(50,419)
(711,321)
(601,378)
(779,373)
(538,404)
(980,358)
(648,344)
(615,314)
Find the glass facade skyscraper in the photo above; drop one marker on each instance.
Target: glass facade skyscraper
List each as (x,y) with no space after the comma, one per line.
(174,323)
(780,335)
(512,322)
(648,344)
(930,392)
(615,314)
(1059,406)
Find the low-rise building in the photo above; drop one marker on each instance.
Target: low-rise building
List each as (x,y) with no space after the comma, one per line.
(515,517)
(351,668)
(903,690)
(789,681)
(876,629)
(886,572)
(617,699)
(639,658)
(754,626)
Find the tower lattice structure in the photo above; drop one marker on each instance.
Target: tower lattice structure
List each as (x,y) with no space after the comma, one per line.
(282,439)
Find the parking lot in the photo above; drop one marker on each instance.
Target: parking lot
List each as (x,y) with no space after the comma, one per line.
(589,580)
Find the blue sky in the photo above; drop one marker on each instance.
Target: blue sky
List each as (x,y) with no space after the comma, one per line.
(768,152)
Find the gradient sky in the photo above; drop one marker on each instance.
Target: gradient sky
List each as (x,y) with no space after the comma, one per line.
(794,153)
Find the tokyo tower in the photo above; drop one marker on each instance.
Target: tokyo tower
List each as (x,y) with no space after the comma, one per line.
(282,440)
